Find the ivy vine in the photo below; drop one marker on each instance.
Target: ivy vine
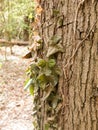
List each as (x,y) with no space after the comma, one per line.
(43,85)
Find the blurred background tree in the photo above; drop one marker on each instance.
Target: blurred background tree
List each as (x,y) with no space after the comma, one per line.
(16,16)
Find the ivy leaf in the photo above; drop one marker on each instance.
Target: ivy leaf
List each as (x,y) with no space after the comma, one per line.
(55,40)
(51,63)
(41,63)
(53,79)
(30,81)
(55,49)
(34,69)
(43,85)
(57,70)
(47,126)
(46,71)
(31,89)
(41,78)
(42,81)
(33,66)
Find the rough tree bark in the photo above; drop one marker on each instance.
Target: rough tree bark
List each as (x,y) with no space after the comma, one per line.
(77,23)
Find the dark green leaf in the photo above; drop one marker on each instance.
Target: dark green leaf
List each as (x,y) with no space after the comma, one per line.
(51,63)
(41,78)
(41,62)
(34,68)
(53,79)
(42,81)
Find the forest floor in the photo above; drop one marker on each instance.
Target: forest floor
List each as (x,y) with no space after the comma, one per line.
(15,103)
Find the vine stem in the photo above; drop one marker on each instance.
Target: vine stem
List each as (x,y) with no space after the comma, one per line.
(79,45)
(77,10)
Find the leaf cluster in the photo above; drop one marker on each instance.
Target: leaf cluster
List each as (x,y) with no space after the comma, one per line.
(43,75)
(43,78)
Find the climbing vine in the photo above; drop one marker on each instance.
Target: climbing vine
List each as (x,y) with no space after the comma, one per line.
(43,78)
(43,81)
(43,85)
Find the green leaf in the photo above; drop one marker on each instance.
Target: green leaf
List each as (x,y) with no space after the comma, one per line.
(51,63)
(57,70)
(53,79)
(34,69)
(30,81)
(42,81)
(31,89)
(34,66)
(55,49)
(47,71)
(43,85)
(47,126)
(41,62)
(41,78)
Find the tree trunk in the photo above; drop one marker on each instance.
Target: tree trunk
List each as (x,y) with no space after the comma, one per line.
(76,21)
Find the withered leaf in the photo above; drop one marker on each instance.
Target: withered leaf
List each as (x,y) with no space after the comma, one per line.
(54,49)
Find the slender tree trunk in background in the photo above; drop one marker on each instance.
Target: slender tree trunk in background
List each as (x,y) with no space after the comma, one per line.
(26,31)
(77,23)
